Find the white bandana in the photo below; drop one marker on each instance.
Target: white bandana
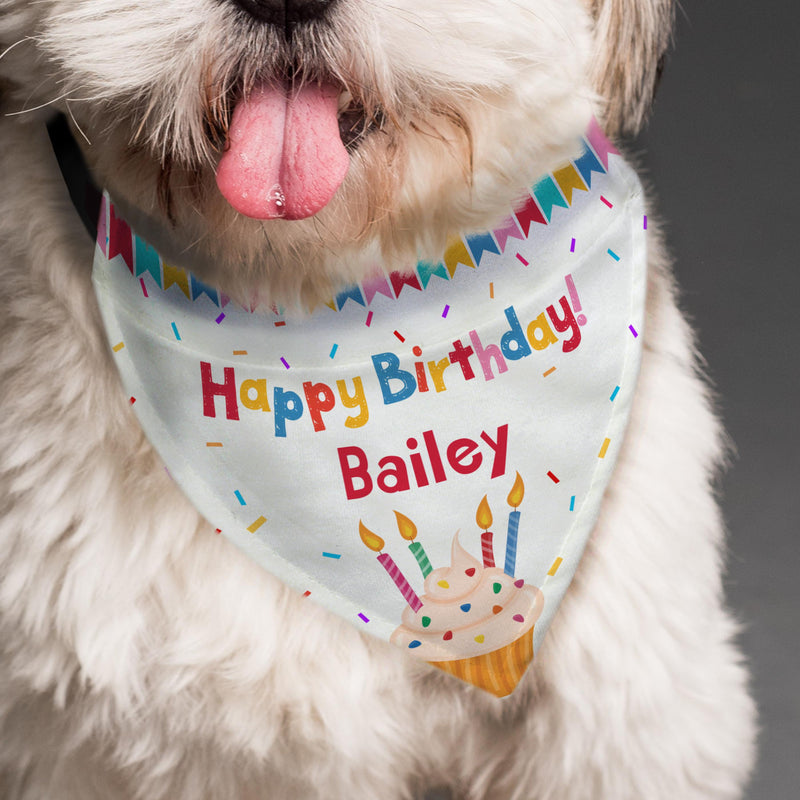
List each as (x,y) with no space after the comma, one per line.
(462,415)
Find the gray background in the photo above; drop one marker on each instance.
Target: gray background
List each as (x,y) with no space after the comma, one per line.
(721,150)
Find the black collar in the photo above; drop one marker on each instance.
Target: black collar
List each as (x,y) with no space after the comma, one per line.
(83,192)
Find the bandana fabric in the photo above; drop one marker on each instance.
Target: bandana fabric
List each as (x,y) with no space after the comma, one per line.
(425,455)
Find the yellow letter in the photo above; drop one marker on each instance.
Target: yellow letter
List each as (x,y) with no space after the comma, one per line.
(357,400)
(546,336)
(260,401)
(437,370)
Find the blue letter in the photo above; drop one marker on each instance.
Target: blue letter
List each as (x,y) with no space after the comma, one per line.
(288,405)
(387,368)
(514,336)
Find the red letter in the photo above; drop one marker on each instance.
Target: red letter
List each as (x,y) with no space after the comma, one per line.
(433,455)
(393,467)
(358,471)
(460,355)
(210,389)
(500,448)
(319,398)
(458,450)
(565,324)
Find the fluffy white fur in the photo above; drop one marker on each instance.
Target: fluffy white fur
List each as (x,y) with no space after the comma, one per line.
(141,656)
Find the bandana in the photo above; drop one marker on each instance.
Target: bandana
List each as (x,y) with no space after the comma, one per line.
(426,454)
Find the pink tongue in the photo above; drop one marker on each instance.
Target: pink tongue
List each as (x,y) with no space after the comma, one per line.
(285,157)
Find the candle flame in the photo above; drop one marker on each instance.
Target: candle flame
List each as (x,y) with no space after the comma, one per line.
(370,539)
(483,516)
(408,530)
(517,492)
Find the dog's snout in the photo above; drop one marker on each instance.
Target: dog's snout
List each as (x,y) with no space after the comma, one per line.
(284,13)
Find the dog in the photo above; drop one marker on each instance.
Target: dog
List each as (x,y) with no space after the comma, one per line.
(143,655)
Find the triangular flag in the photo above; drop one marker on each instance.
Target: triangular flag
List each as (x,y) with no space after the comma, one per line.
(548,196)
(527,214)
(401,279)
(351,292)
(455,254)
(587,164)
(598,141)
(481,243)
(198,288)
(176,275)
(119,239)
(147,260)
(568,180)
(377,284)
(426,270)
(508,229)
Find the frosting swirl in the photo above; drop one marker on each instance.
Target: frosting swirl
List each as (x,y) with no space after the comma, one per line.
(468,610)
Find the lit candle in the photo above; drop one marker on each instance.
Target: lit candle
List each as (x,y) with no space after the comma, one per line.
(408,530)
(483,517)
(375,543)
(514,499)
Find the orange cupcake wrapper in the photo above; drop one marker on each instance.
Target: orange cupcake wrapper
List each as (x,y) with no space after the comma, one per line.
(497,672)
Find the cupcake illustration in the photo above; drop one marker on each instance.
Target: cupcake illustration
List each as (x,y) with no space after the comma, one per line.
(474,620)
(475,623)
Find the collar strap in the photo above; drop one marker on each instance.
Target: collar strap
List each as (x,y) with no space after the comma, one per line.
(82,189)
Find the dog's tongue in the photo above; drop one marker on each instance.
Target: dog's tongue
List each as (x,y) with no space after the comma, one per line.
(285,157)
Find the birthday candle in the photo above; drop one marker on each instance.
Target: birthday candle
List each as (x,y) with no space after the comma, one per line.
(399,579)
(483,516)
(511,543)
(486,548)
(408,530)
(375,543)
(514,499)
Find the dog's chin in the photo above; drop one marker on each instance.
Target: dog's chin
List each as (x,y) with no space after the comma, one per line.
(291,262)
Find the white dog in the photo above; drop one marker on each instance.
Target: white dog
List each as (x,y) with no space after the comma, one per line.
(143,656)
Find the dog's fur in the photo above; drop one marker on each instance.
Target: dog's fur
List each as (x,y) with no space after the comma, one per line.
(144,657)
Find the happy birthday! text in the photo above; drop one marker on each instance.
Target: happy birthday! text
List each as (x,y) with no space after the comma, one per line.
(470,359)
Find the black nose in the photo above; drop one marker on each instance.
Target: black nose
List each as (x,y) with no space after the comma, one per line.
(284,13)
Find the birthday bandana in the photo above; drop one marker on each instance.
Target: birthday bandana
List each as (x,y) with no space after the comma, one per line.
(426,454)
